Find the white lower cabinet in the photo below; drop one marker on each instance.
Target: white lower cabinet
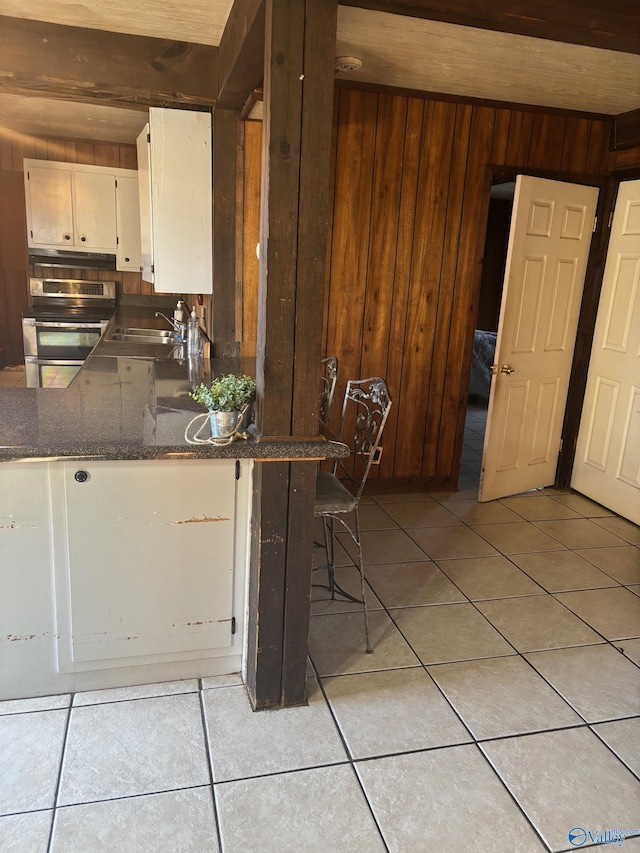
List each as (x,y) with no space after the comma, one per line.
(146,573)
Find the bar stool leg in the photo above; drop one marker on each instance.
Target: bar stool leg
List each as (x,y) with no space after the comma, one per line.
(369,650)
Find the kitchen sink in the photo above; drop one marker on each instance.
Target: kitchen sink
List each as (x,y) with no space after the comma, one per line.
(142,336)
(147,333)
(143,339)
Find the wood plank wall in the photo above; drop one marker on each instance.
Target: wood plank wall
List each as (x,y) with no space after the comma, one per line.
(410,200)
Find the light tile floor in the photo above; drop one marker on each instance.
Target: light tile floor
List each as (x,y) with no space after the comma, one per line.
(13,377)
(499,711)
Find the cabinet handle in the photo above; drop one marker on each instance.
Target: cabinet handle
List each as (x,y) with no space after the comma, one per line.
(83,239)
(81,476)
(126,260)
(67,236)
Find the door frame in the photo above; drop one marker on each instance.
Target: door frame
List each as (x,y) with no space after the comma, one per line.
(608,186)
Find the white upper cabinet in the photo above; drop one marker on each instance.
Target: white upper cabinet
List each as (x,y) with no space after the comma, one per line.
(175,169)
(83,208)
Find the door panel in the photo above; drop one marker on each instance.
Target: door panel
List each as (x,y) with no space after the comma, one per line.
(95,209)
(629,467)
(549,242)
(545,416)
(607,464)
(560,317)
(131,590)
(50,208)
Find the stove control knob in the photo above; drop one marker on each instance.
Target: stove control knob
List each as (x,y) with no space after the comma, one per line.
(81,476)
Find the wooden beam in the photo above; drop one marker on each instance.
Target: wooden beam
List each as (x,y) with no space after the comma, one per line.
(241,53)
(298,108)
(612,25)
(626,131)
(112,69)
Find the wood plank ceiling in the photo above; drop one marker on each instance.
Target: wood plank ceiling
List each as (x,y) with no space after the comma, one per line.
(396,50)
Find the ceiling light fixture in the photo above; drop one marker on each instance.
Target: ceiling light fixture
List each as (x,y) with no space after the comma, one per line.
(348,63)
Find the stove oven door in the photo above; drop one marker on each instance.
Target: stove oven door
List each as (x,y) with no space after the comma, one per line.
(48,339)
(50,373)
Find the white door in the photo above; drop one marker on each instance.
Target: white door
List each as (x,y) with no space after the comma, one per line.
(551,229)
(607,463)
(95,211)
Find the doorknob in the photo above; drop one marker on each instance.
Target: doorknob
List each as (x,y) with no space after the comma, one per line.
(507,369)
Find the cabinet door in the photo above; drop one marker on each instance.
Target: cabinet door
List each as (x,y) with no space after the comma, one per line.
(128,254)
(150,558)
(144,195)
(180,168)
(49,207)
(94,196)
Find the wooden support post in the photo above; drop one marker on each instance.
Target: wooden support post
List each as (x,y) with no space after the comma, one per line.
(298,93)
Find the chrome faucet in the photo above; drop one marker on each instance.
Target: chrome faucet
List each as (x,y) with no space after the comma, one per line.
(176,325)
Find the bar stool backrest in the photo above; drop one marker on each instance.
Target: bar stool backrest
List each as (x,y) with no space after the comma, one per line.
(328,380)
(364,414)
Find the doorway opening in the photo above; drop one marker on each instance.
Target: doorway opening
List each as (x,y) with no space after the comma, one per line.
(484,339)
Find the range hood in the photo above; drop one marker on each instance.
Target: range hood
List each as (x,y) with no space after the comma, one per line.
(71,260)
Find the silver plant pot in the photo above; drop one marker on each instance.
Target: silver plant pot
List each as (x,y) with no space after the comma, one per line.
(223,424)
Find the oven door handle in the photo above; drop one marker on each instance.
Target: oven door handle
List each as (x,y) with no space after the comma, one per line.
(54,362)
(77,327)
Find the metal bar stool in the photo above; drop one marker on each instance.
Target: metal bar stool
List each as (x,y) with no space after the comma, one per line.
(366,406)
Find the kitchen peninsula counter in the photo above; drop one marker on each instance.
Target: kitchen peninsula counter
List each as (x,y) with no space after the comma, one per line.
(124,550)
(129,402)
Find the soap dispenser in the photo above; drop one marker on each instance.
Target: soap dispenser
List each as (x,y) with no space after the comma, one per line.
(178,316)
(193,334)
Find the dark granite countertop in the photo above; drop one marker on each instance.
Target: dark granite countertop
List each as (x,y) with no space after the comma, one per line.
(131,401)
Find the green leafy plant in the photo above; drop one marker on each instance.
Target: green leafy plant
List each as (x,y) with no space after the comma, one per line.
(226,393)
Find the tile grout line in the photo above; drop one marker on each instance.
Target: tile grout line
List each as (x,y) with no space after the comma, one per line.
(611,750)
(351,760)
(136,698)
(56,794)
(513,799)
(207,749)
(124,797)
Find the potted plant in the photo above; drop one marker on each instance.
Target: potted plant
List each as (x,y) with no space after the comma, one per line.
(228,399)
